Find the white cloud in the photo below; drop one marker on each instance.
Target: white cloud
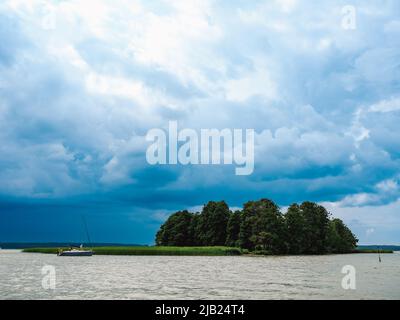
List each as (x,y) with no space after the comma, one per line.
(371,224)
(357,130)
(287,5)
(387,189)
(254,83)
(388,105)
(388,186)
(99,84)
(109,71)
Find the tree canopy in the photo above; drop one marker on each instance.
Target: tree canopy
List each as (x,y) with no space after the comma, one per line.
(304,229)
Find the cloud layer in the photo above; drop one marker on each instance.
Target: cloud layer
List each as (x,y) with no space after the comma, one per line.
(82,82)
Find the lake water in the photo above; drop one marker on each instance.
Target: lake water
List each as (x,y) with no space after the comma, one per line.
(157,277)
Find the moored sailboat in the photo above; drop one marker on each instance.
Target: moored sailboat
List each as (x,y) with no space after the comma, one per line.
(77,252)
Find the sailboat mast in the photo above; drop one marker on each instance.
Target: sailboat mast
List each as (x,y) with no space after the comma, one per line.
(86,230)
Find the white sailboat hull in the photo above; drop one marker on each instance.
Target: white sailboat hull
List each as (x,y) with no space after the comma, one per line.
(76,253)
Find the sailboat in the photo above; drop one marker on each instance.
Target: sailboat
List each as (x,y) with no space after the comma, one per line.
(77,252)
(74,252)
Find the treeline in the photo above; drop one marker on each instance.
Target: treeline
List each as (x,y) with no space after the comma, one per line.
(260,226)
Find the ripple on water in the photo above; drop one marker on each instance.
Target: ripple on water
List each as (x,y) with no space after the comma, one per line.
(152,277)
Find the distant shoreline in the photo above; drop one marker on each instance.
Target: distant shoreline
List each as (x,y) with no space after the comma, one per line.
(177,251)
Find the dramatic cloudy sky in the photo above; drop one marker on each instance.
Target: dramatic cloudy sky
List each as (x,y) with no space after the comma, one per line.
(81,83)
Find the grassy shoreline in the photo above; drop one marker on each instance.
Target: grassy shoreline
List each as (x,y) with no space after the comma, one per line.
(153,251)
(175,251)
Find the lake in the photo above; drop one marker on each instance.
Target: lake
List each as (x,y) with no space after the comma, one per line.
(168,277)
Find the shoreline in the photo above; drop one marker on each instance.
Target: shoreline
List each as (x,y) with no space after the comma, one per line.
(188,251)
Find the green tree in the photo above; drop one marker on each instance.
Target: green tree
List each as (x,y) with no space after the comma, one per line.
(212,224)
(262,216)
(295,226)
(340,239)
(194,230)
(233,229)
(263,241)
(316,220)
(246,231)
(176,230)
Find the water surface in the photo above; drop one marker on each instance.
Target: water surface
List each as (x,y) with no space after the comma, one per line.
(163,277)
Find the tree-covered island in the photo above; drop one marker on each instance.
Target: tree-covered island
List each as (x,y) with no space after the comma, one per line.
(259,227)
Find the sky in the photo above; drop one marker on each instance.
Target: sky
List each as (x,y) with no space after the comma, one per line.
(82,82)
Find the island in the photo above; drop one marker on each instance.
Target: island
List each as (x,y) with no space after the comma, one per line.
(258,229)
